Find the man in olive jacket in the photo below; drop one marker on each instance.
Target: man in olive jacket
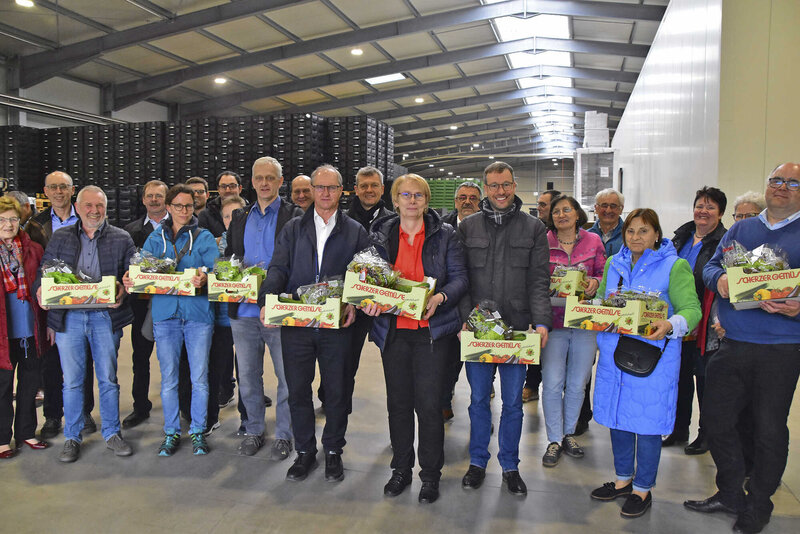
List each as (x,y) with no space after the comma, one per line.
(508,260)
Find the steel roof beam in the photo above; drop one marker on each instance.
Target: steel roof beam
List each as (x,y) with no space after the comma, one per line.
(503,112)
(430,156)
(38,67)
(469,141)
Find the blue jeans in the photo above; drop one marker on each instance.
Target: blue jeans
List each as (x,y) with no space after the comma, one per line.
(250,336)
(566,368)
(512,379)
(170,335)
(89,329)
(647,452)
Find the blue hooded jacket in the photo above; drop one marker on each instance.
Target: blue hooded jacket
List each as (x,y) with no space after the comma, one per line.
(644,405)
(202,252)
(442,258)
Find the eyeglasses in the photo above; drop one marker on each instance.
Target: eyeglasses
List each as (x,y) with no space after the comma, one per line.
(227,187)
(471,198)
(507,186)
(182,207)
(258,179)
(740,216)
(329,188)
(405,195)
(565,211)
(58,187)
(606,206)
(776,182)
(12,220)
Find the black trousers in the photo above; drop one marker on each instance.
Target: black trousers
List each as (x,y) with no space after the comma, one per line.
(360,328)
(413,366)
(452,369)
(221,349)
(142,350)
(53,384)
(24,360)
(302,349)
(533,376)
(760,378)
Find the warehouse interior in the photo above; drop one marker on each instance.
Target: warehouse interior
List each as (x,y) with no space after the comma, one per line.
(121,92)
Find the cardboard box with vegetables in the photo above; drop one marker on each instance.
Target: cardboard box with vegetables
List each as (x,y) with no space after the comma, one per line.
(231,281)
(489,339)
(62,287)
(624,312)
(758,275)
(316,306)
(566,280)
(370,279)
(157,276)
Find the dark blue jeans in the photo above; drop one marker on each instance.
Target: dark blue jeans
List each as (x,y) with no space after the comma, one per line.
(636,456)
(303,348)
(512,379)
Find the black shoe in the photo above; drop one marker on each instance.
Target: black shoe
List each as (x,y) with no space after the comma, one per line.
(609,492)
(474,477)
(514,483)
(50,428)
(303,465)
(397,484)
(675,437)
(750,522)
(334,470)
(267,402)
(429,492)
(89,426)
(698,446)
(581,427)
(134,419)
(226,399)
(635,506)
(711,505)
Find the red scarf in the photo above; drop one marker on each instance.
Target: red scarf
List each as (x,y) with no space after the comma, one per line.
(13,270)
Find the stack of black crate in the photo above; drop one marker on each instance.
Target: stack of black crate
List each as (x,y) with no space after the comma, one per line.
(282,141)
(76,152)
(146,152)
(308,144)
(362,143)
(233,144)
(172,153)
(128,203)
(122,170)
(206,163)
(106,176)
(55,151)
(389,149)
(189,149)
(337,146)
(21,157)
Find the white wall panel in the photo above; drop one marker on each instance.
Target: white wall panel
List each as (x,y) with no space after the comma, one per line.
(60,92)
(142,112)
(668,137)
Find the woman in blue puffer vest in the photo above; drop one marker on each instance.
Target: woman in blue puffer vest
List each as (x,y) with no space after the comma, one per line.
(639,410)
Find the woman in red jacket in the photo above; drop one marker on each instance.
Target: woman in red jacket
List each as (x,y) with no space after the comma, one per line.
(23,333)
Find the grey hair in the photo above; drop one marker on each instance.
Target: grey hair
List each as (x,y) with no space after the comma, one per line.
(369,170)
(751,197)
(327,167)
(91,189)
(269,160)
(20,197)
(498,167)
(67,176)
(473,185)
(609,191)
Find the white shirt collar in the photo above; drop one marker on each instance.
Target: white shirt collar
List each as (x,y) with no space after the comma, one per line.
(780,224)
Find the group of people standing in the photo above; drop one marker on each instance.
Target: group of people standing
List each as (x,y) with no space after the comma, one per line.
(487,249)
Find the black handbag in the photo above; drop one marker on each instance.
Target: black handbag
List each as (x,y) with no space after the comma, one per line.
(637,358)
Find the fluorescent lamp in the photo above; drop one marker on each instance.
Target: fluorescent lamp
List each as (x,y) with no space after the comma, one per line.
(356,51)
(25,3)
(396,77)
(454,127)
(419,100)
(220,81)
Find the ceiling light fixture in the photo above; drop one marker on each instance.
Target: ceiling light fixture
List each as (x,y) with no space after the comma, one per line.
(25,3)
(430,164)
(385,79)
(476,145)
(357,52)
(454,127)
(450,173)
(441,170)
(220,80)
(491,157)
(419,100)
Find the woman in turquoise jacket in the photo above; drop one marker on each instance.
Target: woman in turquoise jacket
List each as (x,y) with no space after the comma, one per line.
(178,320)
(639,410)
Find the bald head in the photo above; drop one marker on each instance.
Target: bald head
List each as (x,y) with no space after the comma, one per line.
(301,192)
(782,193)
(58,189)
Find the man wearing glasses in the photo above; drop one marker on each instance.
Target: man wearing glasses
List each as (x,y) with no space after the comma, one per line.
(757,365)
(58,188)
(468,194)
(154,200)
(310,249)
(608,206)
(252,234)
(508,261)
(200,187)
(229,184)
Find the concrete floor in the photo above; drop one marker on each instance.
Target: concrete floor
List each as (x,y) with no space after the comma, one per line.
(224,492)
